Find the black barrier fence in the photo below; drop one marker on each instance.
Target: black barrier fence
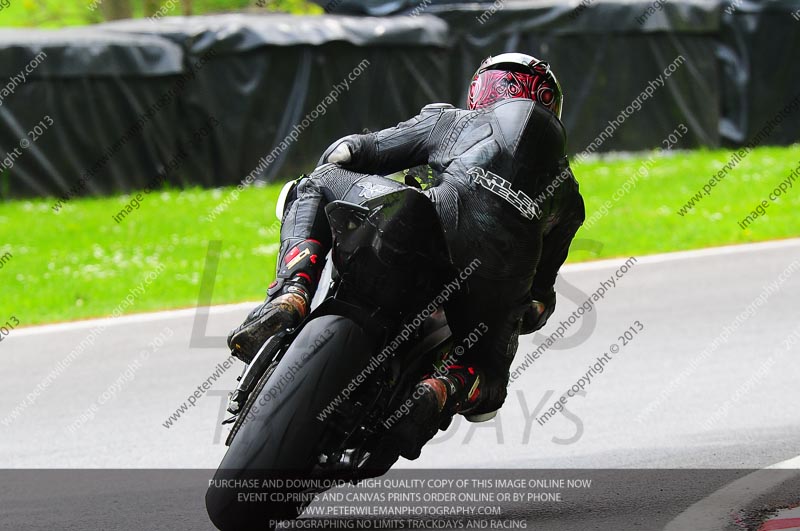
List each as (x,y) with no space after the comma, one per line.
(123,97)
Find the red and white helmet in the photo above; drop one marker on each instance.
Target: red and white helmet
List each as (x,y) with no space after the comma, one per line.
(515,75)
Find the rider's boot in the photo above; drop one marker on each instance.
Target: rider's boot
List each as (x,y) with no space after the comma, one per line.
(458,390)
(288,299)
(436,400)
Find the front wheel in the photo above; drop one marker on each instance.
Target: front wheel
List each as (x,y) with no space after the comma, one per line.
(280,437)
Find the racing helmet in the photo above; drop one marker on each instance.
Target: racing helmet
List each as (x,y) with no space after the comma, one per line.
(515,75)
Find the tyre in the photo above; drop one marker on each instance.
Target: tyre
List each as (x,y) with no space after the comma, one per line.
(279,440)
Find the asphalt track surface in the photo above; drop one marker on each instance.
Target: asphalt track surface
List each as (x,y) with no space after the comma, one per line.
(661,403)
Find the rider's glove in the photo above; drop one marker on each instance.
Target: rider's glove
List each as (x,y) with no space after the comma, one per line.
(537,313)
(341,154)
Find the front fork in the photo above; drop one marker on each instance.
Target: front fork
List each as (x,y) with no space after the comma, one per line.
(265,359)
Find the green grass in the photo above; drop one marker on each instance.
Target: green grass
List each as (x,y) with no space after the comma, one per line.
(58,13)
(645,220)
(80,263)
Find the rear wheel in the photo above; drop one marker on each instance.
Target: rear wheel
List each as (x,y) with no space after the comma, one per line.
(279,438)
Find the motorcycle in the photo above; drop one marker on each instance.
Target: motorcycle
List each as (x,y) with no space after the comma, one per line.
(316,404)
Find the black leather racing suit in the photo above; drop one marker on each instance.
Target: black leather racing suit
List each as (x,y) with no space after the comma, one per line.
(504,193)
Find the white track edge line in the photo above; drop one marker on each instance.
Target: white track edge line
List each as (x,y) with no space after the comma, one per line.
(568,268)
(682,255)
(714,512)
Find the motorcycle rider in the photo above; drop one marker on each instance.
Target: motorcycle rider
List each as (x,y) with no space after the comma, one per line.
(505,195)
